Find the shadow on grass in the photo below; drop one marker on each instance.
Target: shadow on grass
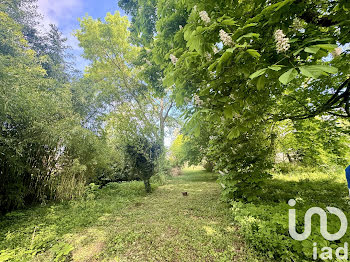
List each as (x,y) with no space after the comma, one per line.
(23,233)
(196,175)
(311,192)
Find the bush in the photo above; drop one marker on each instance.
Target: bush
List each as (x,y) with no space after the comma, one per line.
(209,166)
(159,179)
(117,173)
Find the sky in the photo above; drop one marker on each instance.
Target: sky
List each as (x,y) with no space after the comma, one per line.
(65,13)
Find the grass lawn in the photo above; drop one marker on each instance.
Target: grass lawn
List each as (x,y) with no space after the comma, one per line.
(122,223)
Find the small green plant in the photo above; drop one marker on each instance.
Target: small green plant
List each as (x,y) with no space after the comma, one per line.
(61,251)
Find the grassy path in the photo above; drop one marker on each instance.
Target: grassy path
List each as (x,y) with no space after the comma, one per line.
(126,226)
(167,226)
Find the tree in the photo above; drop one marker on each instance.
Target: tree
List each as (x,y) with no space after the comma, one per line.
(177,155)
(247,65)
(34,120)
(143,155)
(314,142)
(45,151)
(143,29)
(133,119)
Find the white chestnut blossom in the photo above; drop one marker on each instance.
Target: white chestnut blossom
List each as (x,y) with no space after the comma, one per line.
(204,16)
(337,52)
(173,59)
(197,100)
(215,50)
(282,42)
(195,8)
(225,38)
(181,27)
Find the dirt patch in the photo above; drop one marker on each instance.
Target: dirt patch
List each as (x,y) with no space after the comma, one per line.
(88,253)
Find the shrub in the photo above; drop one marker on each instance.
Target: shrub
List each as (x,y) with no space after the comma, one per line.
(159,179)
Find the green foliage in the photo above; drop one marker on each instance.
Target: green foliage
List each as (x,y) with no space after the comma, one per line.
(135,127)
(61,251)
(238,68)
(159,179)
(264,222)
(123,222)
(46,152)
(142,156)
(46,231)
(314,142)
(177,152)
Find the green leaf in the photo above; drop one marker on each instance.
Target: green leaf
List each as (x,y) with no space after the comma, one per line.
(312,49)
(261,82)
(231,49)
(212,66)
(253,53)
(320,40)
(258,73)
(249,35)
(316,71)
(328,47)
(179,98)
(226,56)
(328,69)
(229,22)
(234,133)
(197,131)
(169,79)
(228,112)
(223,99)
(256,35)
(288,76)
(249,25)
(298,51)
(276,67)
(306,71)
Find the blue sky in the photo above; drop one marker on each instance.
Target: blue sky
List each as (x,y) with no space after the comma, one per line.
(65,14)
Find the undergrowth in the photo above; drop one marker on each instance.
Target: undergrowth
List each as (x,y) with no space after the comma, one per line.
(26,233)
(264,222)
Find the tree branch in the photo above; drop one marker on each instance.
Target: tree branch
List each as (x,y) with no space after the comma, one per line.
(341,99)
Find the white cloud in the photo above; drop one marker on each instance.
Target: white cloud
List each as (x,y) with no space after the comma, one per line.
(64,14)
(72,41)
(58,12)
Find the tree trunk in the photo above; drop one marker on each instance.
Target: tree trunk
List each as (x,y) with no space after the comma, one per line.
(161,124)
(147,185)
